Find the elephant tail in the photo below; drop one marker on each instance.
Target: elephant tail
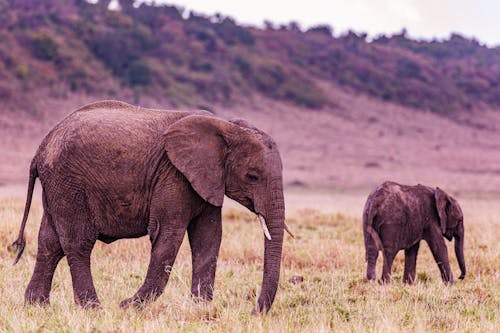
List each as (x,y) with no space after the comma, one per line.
(20,243)
(368,218)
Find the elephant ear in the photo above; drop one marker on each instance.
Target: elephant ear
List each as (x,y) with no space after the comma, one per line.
(441,202)
(196,146)
(243,123)
(454,212)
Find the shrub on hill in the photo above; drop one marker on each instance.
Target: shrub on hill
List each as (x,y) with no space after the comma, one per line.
(44,47)
(203,59)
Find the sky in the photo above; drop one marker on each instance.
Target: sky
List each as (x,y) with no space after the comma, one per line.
(423,19)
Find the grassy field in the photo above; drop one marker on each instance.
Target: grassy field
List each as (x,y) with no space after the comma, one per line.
(328,253)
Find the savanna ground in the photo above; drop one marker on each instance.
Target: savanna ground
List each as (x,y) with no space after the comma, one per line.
(328,253)
(352,144)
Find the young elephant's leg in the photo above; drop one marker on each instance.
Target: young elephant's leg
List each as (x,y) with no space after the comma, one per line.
(166,242)
(410,264)
(371,258)
(48,256)
(389,234)
(371,255)
(389,255)
(205,233)
(440,254)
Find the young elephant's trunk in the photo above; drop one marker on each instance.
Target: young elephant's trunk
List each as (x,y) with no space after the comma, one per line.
(459,250)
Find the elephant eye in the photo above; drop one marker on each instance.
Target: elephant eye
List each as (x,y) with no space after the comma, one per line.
(251,177)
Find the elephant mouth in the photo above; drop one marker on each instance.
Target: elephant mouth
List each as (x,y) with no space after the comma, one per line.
(248,203)
(448,235)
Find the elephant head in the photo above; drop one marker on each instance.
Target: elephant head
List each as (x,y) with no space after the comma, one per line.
(451,222)
(220,157)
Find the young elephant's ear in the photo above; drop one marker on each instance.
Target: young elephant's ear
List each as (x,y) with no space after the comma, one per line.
(196,146)
(242,123)
(454,212)
(441,202)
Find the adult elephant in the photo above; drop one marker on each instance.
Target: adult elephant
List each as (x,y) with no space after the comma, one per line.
(111,170)
(398,217)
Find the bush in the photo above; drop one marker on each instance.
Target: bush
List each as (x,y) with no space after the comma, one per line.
(139,74)
(321,29)
(304,93)
(119,48)
(268,77)
(231,33)
(44,47)
(407,68)
(244,66)
(115,50)
(199,65)
(273,81)
(201,28)
(77,80)
(22,71)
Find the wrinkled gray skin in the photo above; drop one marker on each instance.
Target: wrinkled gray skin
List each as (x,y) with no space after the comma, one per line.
(111,170)
(397,217)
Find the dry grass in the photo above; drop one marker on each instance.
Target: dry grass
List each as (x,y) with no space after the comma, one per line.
(328,253)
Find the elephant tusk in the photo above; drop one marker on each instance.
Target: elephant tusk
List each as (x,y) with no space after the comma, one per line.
(287,228)
(264,227)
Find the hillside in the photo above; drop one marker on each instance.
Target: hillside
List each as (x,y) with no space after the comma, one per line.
(190,59)
(346,112)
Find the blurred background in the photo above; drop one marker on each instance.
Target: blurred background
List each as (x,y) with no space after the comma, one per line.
(354,94)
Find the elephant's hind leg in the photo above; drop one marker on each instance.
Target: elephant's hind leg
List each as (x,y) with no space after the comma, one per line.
(48,256)
(410,264)
(389,255)
(78,254)
(205,233)
(371,256)
(77,238)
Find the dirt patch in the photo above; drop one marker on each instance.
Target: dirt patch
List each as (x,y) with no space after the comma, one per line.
(358,143)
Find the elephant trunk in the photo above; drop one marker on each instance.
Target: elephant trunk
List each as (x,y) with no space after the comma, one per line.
(275,220)
(459,250)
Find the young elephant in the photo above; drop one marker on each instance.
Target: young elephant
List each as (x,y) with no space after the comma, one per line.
(398,217)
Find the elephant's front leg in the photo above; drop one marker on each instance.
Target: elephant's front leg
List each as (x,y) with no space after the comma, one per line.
(166,240)
(205,233)
(440,253)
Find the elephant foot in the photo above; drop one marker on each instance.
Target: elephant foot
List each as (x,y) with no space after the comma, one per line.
(134,302)
(256,311)
(384,281)
(408,280)
(34,298)
(260,308)
(370,277)
(140,299)
(91,304)
(88,303)
(201,297)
